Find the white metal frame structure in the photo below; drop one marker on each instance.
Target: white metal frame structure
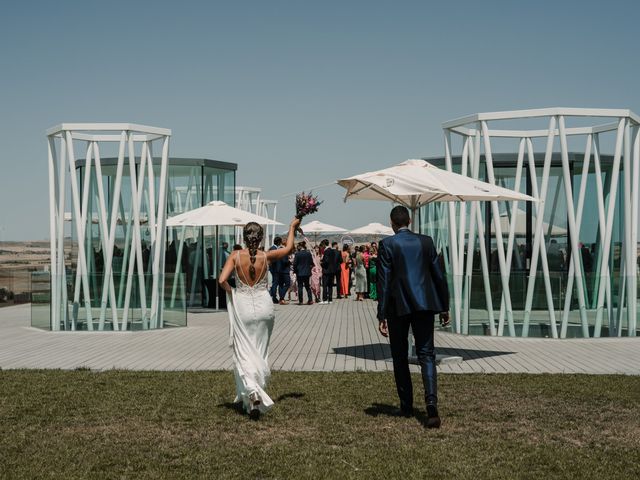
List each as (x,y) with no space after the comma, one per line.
(269,209)
(479,133)
(132,140)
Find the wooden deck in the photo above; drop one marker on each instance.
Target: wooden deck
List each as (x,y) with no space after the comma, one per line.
(338,337)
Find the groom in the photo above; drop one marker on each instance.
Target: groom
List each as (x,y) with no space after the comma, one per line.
(411,290)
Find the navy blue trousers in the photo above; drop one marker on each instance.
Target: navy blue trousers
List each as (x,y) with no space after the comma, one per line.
(421,324)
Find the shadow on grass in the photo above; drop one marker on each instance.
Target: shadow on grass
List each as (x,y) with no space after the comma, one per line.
(382,409)
(286,396)
(382,351)
(378,409)
(236,407)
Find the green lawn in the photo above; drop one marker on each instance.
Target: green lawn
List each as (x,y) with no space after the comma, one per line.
(83,424)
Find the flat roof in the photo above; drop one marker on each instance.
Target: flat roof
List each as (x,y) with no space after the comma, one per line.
(107,127)
(543,112)
(173,162)
(511,157)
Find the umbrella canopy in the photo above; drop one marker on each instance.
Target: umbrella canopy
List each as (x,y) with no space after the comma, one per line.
(319,227)
(217,213)
(373,229)
(415,182)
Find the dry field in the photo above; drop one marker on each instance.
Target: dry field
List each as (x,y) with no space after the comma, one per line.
(17,261)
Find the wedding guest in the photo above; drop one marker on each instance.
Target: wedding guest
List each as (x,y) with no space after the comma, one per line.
(331,261)
(345,272)
(302,267)
(316,274)
(365,257)
(274,270)
(223,255)
(293,280)
(373,273)
(324,244)
(361,275)
(280,275)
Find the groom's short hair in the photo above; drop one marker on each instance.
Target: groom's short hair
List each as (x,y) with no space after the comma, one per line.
(277,241)
(400,216)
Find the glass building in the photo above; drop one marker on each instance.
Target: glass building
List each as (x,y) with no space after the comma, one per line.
(122,269)
(573,271)
(194,183)
(555,223)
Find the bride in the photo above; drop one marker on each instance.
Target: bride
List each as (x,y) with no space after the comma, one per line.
(251,315)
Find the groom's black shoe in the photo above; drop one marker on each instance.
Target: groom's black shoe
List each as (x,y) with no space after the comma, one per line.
(433,419)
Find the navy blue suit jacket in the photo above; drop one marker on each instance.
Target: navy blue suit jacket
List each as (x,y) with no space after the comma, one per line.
(331,261)
(303,263)
(409,276)
(279,266)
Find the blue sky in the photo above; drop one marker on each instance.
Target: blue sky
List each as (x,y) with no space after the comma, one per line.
(296,93)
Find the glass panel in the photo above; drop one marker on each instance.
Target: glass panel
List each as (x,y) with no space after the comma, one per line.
(41,300)
(74,317)
(505,177)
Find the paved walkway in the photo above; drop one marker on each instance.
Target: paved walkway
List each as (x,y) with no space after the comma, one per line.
(338,337)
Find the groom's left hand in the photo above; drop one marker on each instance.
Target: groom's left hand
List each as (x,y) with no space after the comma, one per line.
(383,328)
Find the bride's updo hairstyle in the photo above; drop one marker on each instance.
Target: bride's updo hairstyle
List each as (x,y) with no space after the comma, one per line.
(252,235)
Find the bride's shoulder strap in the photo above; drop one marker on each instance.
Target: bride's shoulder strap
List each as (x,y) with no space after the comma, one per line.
(236,261)
(265,265)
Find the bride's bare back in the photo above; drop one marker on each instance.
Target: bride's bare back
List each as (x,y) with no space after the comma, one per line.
(243,266)
(242,261)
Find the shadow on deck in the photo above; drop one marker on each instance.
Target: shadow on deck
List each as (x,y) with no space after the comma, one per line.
(382,351)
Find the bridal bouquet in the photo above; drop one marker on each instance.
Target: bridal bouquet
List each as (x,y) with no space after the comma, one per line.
(306,204)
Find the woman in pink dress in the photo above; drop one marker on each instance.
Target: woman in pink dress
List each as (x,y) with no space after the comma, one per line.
(316,272)
(293,280)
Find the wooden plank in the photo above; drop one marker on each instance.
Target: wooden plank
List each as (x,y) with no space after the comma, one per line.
(304,339)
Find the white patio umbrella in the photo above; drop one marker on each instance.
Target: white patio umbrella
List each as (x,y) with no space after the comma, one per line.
(374,229)
(217,214)
(415,182)
(317,228)
(214,214)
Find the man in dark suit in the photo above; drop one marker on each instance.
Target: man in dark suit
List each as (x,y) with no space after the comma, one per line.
(274,268)
(330,263)
(302,265)
(411,290)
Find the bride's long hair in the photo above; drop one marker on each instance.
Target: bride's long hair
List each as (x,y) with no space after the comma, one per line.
(252,235)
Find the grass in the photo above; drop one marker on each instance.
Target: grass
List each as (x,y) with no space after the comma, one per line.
(114,424)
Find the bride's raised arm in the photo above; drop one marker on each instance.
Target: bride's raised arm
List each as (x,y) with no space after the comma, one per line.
(277,254)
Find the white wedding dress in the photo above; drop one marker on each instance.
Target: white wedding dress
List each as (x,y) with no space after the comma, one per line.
(251,316)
